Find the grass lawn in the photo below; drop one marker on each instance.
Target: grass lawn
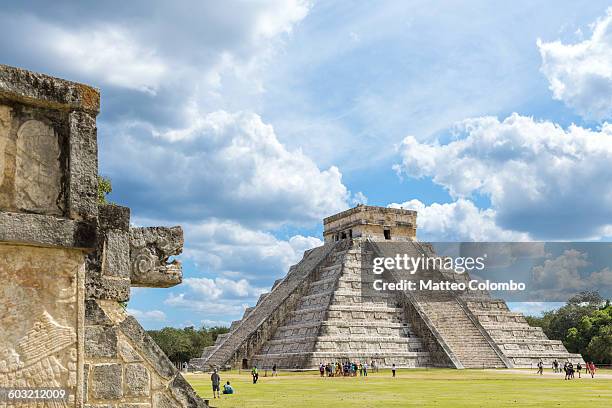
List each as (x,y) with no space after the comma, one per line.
(417,387)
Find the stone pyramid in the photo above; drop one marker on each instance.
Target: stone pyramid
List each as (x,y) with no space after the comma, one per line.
(326,310)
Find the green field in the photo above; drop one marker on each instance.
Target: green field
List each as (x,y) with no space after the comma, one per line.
(417,387)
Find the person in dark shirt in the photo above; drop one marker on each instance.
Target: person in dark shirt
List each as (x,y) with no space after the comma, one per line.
(216,381)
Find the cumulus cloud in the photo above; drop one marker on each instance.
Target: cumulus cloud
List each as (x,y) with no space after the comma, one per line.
(215,288)
(541,179)
(580,74)
(237,156)
(457,221)
(148,315)
(145,42)
(205,306)
(234,250)
(561,276)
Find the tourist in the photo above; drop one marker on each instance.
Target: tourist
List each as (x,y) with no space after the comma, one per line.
(540,367)
(570,368)
(360,369)
(579,369)
(228,389)
(565,368)
(592,369)
(274,373)
(216,381)
(393,369)
(255,374)
(322,370)
(555,365)
(365,369)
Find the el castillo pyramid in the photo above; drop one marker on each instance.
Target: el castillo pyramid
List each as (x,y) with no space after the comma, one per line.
(325,310)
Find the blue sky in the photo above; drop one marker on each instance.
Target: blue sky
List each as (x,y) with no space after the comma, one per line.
(248,122)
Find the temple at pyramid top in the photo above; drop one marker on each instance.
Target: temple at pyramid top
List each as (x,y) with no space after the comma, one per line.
(376,223)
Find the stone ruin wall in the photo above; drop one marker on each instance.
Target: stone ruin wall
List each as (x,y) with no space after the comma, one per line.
(367,221)
(67,263)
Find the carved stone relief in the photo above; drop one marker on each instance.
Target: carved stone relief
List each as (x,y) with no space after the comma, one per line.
(39,317)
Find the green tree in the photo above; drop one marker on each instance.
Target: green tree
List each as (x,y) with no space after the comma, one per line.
(584,325)
(181,345)
(105,187)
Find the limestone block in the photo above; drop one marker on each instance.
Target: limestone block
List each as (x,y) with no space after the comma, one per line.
(106,381)
(136,380)
(40,317)
(46,231)
(127,352)
(100,341)
(114,217)
(37,169)
(116,255)
(83,175)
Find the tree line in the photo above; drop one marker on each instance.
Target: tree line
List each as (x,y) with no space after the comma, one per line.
(181,345)
(584,325)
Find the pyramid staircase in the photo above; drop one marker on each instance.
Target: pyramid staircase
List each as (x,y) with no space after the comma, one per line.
(339,319)
(326,310)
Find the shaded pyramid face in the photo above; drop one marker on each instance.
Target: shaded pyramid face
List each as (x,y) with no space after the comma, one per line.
(341,318)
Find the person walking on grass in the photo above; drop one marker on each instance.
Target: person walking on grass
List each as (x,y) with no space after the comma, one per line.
(365,369)
(274,373)
(216,381)
(579,369)
(255,374)
(592,369)
(393,369)
(540,367)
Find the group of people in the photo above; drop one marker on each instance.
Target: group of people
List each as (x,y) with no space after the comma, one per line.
(216,382)
(346,369)
(568,368)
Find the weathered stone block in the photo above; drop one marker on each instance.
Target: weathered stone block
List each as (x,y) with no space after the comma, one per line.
(116,254)
(100,341)
(46,231)
(102,287)
(114,217)
(94,315)
(151,351)
(127,352)
(106,381)
(83,175)
(136,380)
(40,316)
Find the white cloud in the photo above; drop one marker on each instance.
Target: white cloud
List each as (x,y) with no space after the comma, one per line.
(108,53)
(457,221)
(581,74)
(234,250)
(218,287)
(148,315)
(359,198)
(236,156)
(540,178)
(561,276)
(219,307)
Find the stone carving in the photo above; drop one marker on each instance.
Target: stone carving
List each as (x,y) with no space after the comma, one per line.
(150,249)
(65,261)
(39,316)
(37,169)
